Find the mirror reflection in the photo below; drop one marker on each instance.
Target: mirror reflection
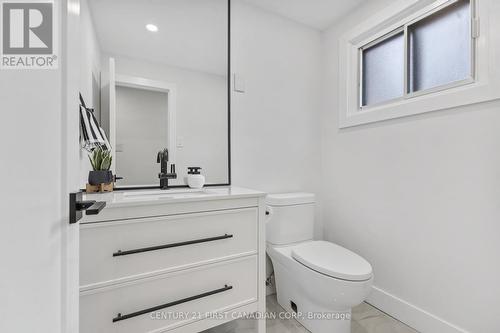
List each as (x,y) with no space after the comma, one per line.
(158,71)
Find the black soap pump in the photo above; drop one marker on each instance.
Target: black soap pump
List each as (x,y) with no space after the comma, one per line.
(195,179)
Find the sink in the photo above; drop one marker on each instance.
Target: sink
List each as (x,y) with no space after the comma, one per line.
(165,194)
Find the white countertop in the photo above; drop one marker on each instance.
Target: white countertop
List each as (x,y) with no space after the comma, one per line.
(175,195)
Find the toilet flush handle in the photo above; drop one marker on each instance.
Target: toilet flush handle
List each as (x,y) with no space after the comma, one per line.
(269,212)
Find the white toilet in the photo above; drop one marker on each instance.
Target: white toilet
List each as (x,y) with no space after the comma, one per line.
(318,281)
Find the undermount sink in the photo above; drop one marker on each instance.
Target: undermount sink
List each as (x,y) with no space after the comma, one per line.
(166,194)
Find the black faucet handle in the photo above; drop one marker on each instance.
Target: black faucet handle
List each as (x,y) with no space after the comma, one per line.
(172,168)
(162,156)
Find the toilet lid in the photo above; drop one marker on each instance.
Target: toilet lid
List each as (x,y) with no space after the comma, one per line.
(333,260)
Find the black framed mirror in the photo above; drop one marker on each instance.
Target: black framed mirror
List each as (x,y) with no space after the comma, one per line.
(162,75)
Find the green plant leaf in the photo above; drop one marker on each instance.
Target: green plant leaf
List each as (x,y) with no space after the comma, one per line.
(106,163)
(91,162)
(98,158)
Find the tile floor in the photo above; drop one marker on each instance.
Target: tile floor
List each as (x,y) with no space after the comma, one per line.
(365,319)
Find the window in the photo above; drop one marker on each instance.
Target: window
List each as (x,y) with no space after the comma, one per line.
(418,56)
(430,53)
(383,70)
(440,48)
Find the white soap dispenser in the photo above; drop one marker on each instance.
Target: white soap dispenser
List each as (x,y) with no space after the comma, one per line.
(195,179)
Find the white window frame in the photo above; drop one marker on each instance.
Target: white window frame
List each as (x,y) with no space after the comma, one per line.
(483,85)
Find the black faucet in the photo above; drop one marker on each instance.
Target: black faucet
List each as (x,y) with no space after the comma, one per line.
(164,175)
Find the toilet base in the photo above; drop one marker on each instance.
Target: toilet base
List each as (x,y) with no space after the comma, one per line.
(321,303)
(310,315)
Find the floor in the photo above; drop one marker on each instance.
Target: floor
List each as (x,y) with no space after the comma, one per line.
(365,319)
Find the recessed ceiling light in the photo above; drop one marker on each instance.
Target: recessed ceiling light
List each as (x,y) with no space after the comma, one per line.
(152,27)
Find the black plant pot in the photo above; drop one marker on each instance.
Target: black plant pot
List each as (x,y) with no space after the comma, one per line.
(100,177)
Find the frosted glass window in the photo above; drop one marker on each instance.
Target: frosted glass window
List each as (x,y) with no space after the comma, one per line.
(383,70)
(440,48)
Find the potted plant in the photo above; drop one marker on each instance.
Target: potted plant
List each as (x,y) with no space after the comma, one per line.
(100,159)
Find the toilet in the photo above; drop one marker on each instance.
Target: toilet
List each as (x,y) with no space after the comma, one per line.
(317,282)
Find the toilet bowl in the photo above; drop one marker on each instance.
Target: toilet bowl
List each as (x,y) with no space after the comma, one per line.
(317,282)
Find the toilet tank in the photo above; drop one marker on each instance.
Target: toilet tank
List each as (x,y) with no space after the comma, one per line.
(290,217)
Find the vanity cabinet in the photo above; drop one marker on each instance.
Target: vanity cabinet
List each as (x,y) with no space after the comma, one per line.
(182,264)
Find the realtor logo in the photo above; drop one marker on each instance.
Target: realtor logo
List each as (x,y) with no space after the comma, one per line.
(28,35)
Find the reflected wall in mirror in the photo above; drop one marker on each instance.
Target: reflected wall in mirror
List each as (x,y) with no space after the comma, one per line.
(163,69)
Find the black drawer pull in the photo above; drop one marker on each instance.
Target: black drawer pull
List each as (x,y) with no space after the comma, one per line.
(167,246)
(120,317)
(95,208)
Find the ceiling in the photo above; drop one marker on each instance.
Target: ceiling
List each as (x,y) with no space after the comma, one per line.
(192,34)
(318,14)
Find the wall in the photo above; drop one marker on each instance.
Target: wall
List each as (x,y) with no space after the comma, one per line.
(201,115)
(275,144)
(90,63)
(275,141)
(419,198)
(90,75)
(141,132)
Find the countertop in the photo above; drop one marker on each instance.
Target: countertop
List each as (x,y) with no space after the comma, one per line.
(176,195)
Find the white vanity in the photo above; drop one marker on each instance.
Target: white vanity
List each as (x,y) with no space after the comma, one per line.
(176,260)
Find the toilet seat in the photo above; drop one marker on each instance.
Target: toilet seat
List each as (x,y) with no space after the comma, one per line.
(332,260)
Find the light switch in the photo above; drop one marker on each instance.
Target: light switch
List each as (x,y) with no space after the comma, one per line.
(180,142)
(239,83)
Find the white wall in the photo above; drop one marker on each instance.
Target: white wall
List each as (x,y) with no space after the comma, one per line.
(419,198)
(275,137)
(90,63)
(275,143)
(201,115)
(90,66)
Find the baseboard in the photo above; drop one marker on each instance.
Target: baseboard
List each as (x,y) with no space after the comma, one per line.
(409,314)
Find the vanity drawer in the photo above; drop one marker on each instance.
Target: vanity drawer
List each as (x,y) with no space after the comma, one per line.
(167,301)
(117,251)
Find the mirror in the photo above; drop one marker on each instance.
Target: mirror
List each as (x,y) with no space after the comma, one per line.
(162,68)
